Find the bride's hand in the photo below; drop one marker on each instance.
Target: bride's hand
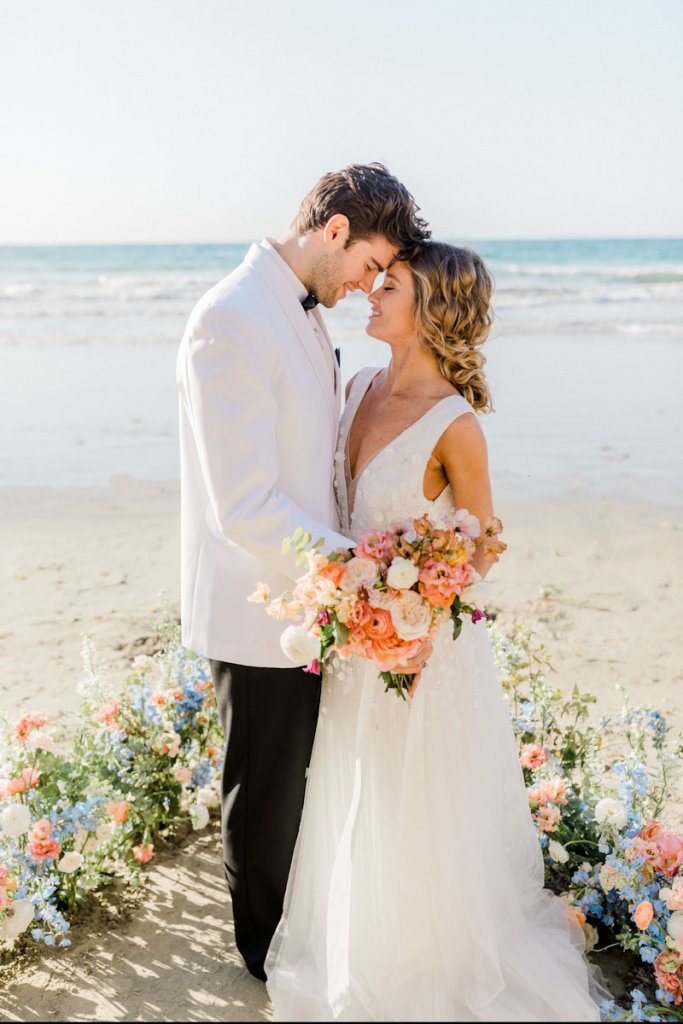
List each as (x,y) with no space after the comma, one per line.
(415,665)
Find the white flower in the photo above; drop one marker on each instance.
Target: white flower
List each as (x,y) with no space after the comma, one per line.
(199,816)
(299,645)
(611,811)
(20,913)
(402,574)
(675,925)
(557,852)
(15,820)
(411,615)
(70,862)
(39,740)
(261,594)
(359,572)
(104,831)
(208,796)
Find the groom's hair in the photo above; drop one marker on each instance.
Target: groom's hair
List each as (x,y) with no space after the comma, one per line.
(375,202)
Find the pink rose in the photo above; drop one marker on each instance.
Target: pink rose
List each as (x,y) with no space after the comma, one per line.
(29,721)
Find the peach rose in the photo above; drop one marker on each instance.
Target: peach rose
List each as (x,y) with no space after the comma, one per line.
(643,915)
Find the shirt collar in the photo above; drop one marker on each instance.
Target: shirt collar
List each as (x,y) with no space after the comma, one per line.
(301,292)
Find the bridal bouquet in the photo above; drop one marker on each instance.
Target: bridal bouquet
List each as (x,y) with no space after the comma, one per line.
(384,598)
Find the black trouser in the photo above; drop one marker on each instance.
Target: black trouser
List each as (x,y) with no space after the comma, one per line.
(269,717)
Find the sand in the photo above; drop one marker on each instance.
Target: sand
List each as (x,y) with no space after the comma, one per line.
(598,579)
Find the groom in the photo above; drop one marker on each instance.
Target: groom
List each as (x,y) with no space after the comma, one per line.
(260,394)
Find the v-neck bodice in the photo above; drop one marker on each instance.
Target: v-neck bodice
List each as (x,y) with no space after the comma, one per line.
(390,484)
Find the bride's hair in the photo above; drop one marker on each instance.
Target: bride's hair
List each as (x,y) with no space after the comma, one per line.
(453,289)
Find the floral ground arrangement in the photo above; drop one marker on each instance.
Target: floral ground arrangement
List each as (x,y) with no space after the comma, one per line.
(78,814)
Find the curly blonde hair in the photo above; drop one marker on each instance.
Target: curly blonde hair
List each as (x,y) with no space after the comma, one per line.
(453,289)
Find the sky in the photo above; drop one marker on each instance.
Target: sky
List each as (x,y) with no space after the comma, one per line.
(208,120)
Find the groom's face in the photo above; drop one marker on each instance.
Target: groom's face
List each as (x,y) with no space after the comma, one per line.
(340,270)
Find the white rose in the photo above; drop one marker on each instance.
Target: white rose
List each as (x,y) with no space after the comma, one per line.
(208,796)
(199,816)
(557,852)
(675,925)
(19,916)
(299,645)
(359,572)
(70,862)
(612,811)
(402,574)
(15,820)
(411,615)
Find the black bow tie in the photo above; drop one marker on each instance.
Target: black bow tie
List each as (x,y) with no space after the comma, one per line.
(310,302)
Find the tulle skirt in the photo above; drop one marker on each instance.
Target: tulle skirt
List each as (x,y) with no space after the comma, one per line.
(416,889)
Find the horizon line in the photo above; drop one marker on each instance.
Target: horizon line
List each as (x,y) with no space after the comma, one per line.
(510,238)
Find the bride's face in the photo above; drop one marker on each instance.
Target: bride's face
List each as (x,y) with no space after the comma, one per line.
(393,306)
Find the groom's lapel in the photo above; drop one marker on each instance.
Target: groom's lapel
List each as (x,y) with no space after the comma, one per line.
(265,264)
(337,372)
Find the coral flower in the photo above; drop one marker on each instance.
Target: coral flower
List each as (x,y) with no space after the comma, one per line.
(643,915)
(533,756)
(334,572)
(380,625)
(118,812)
(41,845)
(29,721)
(27,780)
(143,854)
(107,714)
(668,974)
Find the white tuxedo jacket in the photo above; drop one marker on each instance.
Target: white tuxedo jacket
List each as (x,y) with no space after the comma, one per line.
(258,426)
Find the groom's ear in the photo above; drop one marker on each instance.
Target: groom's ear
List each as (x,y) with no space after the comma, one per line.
(336,230)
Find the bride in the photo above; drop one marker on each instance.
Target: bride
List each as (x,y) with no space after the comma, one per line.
(416,889)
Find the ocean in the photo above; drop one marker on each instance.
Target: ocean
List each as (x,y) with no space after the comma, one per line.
(585,362)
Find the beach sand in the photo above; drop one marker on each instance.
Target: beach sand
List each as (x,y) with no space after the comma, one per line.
(600,582)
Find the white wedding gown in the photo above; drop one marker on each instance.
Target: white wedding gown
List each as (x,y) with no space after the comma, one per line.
(416,888)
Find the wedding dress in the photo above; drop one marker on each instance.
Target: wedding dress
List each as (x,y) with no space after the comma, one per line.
(416,888)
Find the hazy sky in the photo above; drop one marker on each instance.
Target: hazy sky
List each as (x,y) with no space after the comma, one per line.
(207,120)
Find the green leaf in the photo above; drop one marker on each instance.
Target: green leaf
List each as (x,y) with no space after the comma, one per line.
(341,632)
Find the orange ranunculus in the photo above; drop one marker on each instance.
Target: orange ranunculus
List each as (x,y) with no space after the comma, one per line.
(380,626)
(333,571)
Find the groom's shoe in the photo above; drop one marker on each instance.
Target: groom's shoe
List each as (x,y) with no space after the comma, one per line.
(257,971)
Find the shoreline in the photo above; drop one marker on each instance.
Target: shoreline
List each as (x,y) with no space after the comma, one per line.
(598,578)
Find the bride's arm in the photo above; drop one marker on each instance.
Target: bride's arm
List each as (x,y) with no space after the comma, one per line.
(463,456)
